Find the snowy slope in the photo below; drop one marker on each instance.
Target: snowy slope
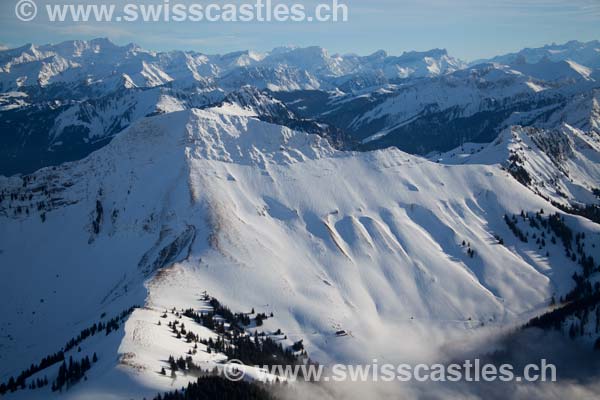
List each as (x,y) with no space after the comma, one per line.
(51,132)
(261,216)
(107,116)
(559,164)
(581,111)
(440,113)
(468,105)
(466,89)
(546,70)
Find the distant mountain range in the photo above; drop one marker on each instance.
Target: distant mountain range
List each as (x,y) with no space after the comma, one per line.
(60,102)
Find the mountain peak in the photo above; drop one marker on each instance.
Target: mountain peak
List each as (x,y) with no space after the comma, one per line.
(378,55)
(434,53)
(103,41)
(583,53)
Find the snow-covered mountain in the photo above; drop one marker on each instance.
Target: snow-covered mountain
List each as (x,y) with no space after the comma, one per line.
(555,71)
(419,101)
(137,188)
(558,164)
(88,91)
(264,217)
(584,53)
(100,61)
(470,105)
(556,154)
(51,132)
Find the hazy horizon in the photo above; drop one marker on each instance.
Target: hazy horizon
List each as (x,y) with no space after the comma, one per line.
(121,44)
(467,29)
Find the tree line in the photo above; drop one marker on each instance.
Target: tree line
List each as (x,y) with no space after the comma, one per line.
(19,382)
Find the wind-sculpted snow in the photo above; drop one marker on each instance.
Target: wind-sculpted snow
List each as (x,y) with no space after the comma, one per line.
(262,216)
(248,141)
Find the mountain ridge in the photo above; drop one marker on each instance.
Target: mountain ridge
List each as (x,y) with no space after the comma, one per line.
(383,238)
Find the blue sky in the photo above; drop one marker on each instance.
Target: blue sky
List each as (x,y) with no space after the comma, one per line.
(468,29)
